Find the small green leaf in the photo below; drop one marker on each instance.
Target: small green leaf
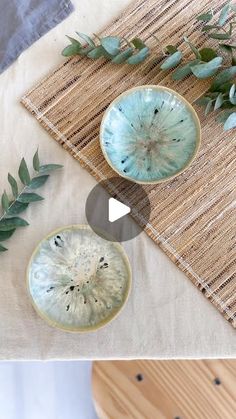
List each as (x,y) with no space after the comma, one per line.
(138,43)
(96,53)
(13,184)
(209,107)
(74,41)
(230,122)
(224,14)
(218,102)
(226,48)
(207,54)
(10,223)
(139,57)
(111,44)
(17,207)
(24,173)
(232,96)
(203,101)
(36,163)
(205,17)
(4,235)
(38,181)
(123,56)
(171,49)
(209,27)
(85,50)
(30,197)
(193,48)
(71,50)
(223,116)
(2,248)
(228,45)
(223,77)
(203,71)
(219,36)
(87,39)
(233,100)
(184,71)
(49,167)
(232,91)
(172,61)
(233,62)
(5,201)
(227,105)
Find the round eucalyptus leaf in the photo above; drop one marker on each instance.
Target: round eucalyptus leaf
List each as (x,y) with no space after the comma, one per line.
(207,54)
(96,53)
(87,39)
(123,56)
(71,50)
(202,71)
(111,44)
(172,61)
(223,77)
(230,122)
(184,71)
(139,57)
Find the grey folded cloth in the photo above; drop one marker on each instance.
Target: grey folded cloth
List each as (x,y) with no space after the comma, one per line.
(22,22)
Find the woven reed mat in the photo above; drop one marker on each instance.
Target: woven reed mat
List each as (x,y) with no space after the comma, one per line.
(193,216)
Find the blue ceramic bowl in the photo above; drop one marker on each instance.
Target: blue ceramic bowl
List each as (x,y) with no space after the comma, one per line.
(150,134)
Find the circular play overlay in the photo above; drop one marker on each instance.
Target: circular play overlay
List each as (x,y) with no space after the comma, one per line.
(124,192)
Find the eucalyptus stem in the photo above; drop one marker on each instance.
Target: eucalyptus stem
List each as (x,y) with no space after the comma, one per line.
(12,203)
(19,201)
(205,62)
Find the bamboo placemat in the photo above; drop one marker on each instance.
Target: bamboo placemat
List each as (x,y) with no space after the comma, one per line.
(193,216)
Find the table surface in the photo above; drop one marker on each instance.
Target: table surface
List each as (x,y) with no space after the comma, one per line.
(165,315)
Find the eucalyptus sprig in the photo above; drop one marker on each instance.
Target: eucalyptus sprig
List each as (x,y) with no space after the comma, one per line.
(109,47)
(217,62)
(19,200)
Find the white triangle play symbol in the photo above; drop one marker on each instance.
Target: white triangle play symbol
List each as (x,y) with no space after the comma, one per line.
(117,210)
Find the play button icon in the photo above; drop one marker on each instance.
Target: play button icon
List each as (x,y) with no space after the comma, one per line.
(117,210)
(111,212)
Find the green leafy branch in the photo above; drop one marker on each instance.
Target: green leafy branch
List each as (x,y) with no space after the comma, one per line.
(19,200)
(109,48)
(218,63)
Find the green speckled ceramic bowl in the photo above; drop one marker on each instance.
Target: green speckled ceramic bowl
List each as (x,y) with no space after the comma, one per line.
(77,280)
(150,134)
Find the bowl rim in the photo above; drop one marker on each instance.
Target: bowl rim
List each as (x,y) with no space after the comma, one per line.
(58,325)
(158,88)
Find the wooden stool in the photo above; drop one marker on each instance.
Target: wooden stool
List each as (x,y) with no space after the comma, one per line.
(165,389)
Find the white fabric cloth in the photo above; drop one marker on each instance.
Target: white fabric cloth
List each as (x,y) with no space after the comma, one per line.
(46,390)
(166,316)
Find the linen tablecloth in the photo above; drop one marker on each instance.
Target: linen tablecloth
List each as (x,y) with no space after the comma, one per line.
(165,316)
(22,22)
